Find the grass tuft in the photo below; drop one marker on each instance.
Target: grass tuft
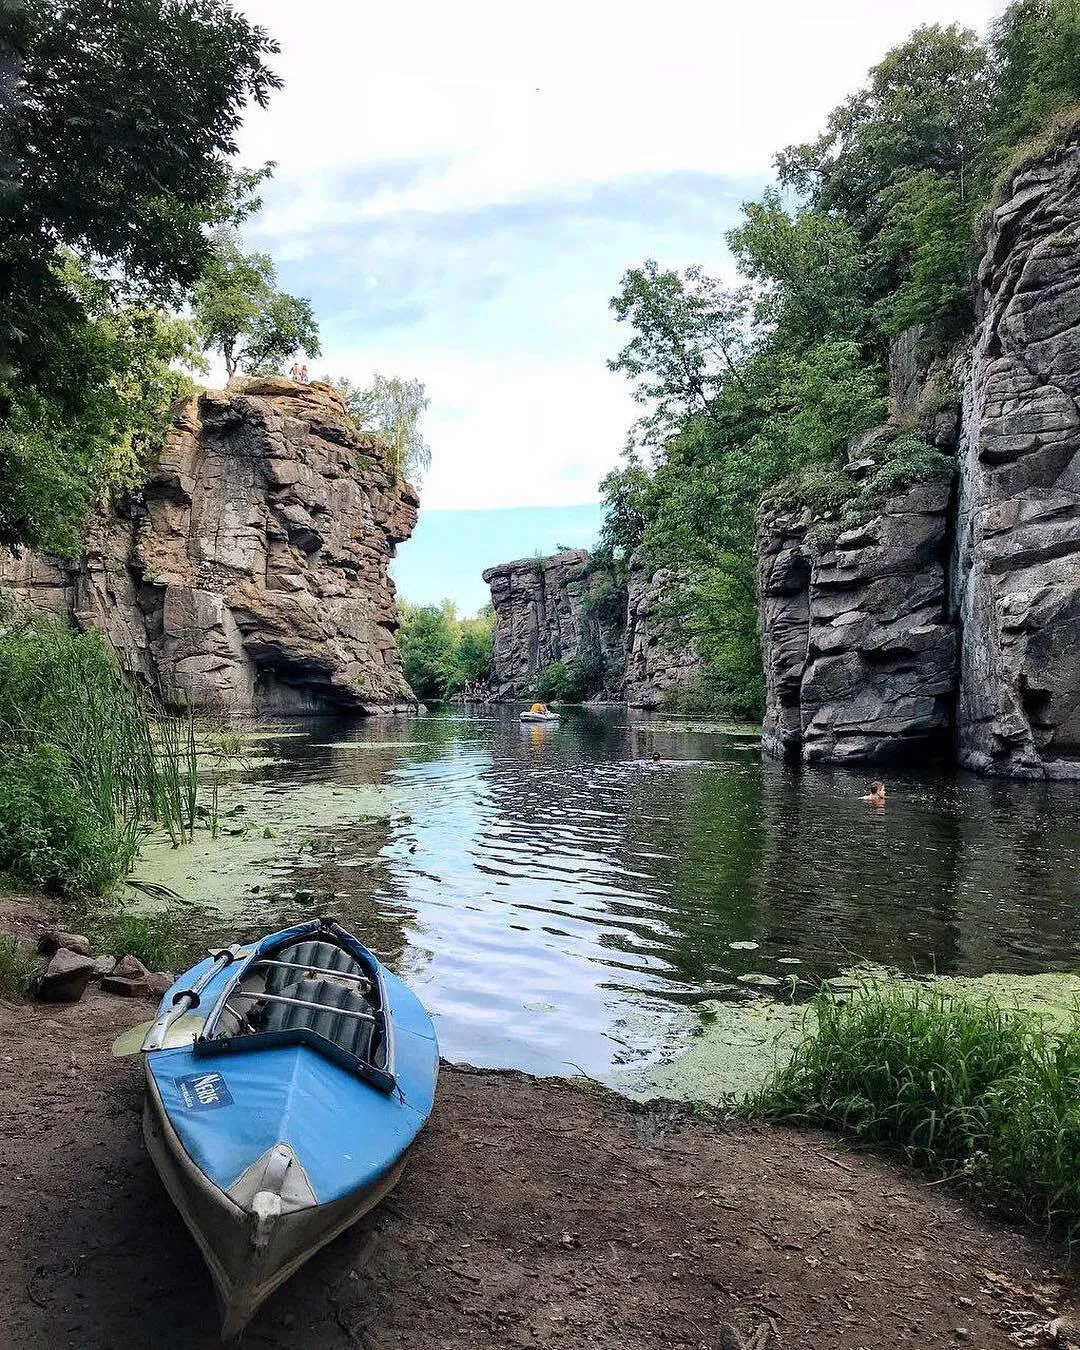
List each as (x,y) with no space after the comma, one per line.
(87,764)
(157,940)
(985,1095)
(18,969)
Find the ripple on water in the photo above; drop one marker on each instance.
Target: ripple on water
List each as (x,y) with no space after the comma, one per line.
(559,899)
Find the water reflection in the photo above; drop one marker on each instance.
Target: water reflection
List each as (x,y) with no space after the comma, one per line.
(554,894)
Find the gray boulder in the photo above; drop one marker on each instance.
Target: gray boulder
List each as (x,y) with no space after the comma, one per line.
(66,977)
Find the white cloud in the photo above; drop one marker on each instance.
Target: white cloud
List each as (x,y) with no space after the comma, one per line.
(408,135)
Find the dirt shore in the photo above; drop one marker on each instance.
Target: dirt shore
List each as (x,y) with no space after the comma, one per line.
(534,1213)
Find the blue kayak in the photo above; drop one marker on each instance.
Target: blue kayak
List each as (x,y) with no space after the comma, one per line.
(285,1083)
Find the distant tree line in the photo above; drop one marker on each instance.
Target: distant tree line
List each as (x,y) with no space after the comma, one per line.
(442,653)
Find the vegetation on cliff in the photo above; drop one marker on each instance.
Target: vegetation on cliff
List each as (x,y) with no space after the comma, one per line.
(117,148)
(873,229)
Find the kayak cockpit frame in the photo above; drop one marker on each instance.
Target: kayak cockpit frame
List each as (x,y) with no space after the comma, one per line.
(228,1029)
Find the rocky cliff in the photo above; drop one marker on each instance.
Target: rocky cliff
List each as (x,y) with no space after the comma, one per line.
(557,609)
(1017,581)
(251,571)
(860,652)
(656,660)
(572,609)
(952,617)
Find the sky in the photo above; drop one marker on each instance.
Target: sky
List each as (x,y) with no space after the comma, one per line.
(459,189)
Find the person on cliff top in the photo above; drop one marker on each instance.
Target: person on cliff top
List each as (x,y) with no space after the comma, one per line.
(304,373)
(294,373)
(876,795)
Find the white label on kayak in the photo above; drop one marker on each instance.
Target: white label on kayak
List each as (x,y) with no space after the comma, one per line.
(203,1091)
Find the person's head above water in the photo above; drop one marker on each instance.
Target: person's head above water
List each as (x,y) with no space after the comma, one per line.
(876,793)
(655,758)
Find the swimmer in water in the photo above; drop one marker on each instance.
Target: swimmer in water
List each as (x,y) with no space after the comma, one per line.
(876,795)
(656,759)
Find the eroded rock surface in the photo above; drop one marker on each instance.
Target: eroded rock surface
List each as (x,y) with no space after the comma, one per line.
(557,609)
(251,572)
(860,651)
(1018,547)
(860,643)
(656,659)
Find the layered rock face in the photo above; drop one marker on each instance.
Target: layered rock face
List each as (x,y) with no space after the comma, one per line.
(860,652)
(1017,585)
(958,624)
(555,609)
(251,571)
(655,660)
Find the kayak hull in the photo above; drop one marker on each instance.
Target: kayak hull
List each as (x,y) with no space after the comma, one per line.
(270,1145)
(243,1274)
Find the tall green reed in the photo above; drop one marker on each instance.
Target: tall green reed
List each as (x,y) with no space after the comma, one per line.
(89,761)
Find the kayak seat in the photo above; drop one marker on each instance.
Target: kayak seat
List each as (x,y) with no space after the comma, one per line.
(320,955)
(350,1033)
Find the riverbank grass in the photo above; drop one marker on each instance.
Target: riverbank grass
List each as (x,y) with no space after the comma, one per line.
(86,765)
(986,1095)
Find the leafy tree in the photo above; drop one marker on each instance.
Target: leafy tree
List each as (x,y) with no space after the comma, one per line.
(56,460)
(393,408)
(116,144)
(1036,52)
(689,337)
(121,134)
(239,311)
(440,652)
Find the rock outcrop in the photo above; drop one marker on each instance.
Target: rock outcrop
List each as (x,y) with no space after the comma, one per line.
(558,609)
(1017,586)
(656,661)
(956,623)
(860,651)
(251,571)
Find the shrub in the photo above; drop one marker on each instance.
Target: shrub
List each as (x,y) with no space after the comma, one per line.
(985,1095)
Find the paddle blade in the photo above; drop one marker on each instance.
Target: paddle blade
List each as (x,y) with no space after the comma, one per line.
(130,1042)
(182,1032)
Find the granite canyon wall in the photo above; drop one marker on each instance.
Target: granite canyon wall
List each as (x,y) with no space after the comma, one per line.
(569,608)
(952,618)
(251,571)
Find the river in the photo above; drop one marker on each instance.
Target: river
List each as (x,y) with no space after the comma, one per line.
(559,900)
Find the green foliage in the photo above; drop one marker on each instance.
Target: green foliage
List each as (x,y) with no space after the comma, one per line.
(160,941)
(117,146)
(1036,50)
(57,460)
(19,970)
(394,409)
(556,684)
(239,311)
(758,389)
(987,1096)
(442,653)
(83,768)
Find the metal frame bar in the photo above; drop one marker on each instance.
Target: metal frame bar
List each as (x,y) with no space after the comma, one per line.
(296,1003)
(311,970)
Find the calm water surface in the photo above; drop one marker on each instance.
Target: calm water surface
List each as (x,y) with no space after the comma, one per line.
(557,899)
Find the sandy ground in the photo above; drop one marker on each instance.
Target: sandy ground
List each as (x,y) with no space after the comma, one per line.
(534,1213)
